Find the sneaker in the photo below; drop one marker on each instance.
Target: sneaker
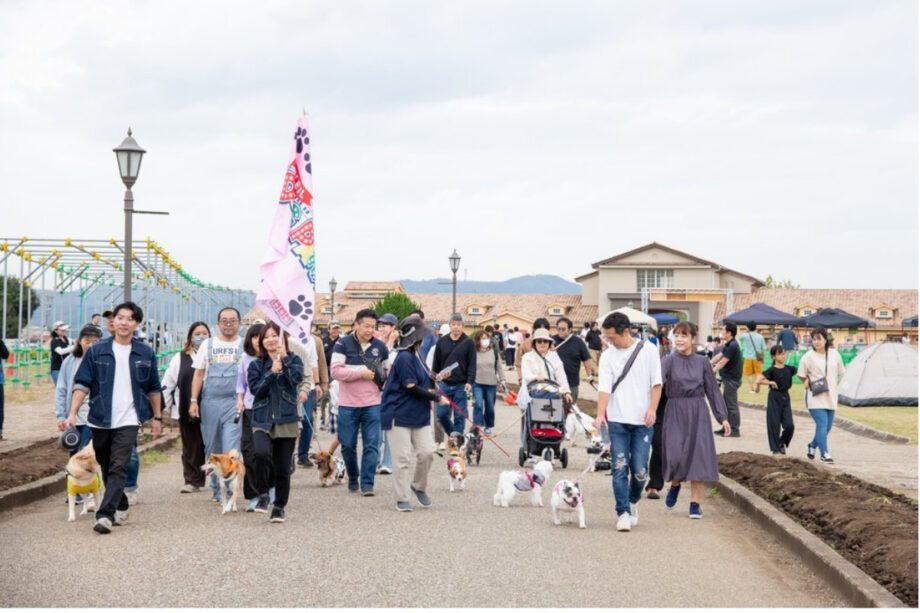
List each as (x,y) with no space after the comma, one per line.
(132,497)
(352,486)
(735,434)
(827,459)
(442,446)
(488,432)
(403,506)
(367,493)
(385,470)
(261,505)
(719,432)
(652,494)
(422,497)
(277,515)
(252,505)
(90,502)
(305,462)
(671,498)
(103,525)
(188,488)
(782,449)
(810,452)
(78,499)
(624,523)
(121,518)
(633,513)
(695,511)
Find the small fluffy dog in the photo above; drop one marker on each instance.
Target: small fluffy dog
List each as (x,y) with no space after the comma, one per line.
(331,468)
(512,481)
(575,421)
(84,477)
(456,467)
(473,445)
(568,498)
(229,468)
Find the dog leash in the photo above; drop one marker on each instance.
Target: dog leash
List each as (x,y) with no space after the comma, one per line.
(591,464)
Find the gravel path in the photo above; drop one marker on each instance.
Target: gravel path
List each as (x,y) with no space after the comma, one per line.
(339,549)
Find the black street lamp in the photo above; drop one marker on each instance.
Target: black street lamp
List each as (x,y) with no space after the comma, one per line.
(454,267)
(332,286)
(129,155)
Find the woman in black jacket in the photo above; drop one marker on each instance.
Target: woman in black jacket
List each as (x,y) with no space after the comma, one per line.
(273,380)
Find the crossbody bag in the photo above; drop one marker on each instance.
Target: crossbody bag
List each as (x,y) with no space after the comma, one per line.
(758,355)
(820,385)
(629,363)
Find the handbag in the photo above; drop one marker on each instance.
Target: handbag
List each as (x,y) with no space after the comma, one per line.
(819,386)
(758,355)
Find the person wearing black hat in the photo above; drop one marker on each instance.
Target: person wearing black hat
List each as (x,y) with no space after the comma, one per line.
(405,415)
(64,388)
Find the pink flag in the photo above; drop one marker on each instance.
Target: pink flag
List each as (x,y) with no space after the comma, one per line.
(287,292)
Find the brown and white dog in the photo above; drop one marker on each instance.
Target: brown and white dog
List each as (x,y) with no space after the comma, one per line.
(229,468)
(456,467)
(84,477)
(331,468)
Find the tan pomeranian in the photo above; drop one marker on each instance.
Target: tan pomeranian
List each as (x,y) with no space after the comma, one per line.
(229,469)
(84,477)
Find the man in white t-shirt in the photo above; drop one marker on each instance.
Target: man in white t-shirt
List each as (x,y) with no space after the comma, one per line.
(216,367)
(629,413)
(120,376)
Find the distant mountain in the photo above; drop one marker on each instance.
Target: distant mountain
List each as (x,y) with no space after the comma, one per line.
(529,284)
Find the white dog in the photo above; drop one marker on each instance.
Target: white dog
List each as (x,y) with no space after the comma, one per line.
(512,481)
(576,421)
(568,498)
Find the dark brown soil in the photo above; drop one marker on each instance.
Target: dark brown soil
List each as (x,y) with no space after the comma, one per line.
(871,526)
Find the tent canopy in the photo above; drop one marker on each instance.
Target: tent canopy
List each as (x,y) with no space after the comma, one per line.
(665,319)
(836,318)
(883,374)
(763,314)
(910,322)
(636,318)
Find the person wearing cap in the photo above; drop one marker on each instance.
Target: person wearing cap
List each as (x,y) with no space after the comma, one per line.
(439,435)
(540,364)
(329,340)
(106,326)
(525,344)
(455,348)
(405,415)
(60,348)
(388,332)
(63,391)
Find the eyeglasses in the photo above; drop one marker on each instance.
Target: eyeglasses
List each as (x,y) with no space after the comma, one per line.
(229,322)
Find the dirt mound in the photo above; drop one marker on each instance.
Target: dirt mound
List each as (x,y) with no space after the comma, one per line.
(31,463)
(871,526)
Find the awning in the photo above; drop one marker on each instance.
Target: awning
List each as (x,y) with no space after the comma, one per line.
(910,322)
(836,318)
(763,314)
(665,319)
(636,318)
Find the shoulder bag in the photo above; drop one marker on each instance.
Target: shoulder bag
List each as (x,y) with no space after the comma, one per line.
(758,355)
(629,363)
(819,386)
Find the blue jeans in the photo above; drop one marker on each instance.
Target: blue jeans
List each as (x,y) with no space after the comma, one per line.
(630,447)
(824,420)
(54,376)
(134,467)
(367,419)
(385,459)
(484,405)
(457,394)
(306,435)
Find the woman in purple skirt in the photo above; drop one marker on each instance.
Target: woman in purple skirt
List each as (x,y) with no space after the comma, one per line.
(688,448)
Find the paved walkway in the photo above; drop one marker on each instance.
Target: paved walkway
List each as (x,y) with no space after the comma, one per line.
(339,549)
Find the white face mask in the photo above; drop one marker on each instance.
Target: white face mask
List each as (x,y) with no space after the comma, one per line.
(484,343)
(197,340)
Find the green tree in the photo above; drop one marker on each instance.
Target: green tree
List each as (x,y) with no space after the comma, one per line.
(396,303)
(785,284)
(13,288)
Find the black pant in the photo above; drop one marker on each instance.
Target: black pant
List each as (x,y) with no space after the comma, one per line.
(655,476)
(509,356)
(1,406)
(273,458)
(192,452)
(779,415)
(250,490)
(113,450)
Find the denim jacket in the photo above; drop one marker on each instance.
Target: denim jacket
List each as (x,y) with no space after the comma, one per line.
(96,377)
(275,394)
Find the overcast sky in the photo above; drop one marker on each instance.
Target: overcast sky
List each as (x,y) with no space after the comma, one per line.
(534,137)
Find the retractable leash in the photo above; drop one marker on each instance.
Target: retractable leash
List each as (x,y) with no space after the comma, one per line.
(591,464)
(454,406)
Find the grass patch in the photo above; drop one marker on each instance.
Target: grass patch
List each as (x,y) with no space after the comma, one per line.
(153,456)
(27,395)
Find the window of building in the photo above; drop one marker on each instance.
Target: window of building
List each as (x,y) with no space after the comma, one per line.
(806,312)
(883,314)
(475,310)
(654,277)
(327,309)
(555,311)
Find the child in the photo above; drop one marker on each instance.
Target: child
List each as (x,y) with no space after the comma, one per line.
(779,410)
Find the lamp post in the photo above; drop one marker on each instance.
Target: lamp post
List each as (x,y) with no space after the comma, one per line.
(129,155)
(332,286)
(454,267)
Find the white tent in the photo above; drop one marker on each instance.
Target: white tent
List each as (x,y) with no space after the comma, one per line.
(636,318)
(883,374)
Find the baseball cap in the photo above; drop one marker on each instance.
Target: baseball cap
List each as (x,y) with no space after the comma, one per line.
(389,318)
(59,325)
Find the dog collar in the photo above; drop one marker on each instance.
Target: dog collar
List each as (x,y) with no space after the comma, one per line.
(580,496)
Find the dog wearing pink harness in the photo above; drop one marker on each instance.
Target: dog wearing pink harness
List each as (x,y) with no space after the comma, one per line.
(568,499)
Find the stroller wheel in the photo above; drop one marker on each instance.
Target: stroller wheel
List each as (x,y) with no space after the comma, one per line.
(522,456)
(564,457)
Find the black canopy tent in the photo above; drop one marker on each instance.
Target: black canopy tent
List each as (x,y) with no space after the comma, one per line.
(910,322)
(836,319)
(763,314)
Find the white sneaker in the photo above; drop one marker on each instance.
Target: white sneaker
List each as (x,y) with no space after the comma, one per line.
(633,514)
(385,470)
(132,497)
(188,488)
(624,524)
(442,446)
(121,518)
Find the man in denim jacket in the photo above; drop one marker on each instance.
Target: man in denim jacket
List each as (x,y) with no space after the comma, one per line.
(120,375)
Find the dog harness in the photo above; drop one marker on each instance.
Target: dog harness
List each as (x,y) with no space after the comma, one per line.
(73,489)
(526,482)
(558,491)
(450,463)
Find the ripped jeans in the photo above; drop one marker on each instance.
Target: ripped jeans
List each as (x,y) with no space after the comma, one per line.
(630,446)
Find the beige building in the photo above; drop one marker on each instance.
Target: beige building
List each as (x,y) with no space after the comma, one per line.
(658,279)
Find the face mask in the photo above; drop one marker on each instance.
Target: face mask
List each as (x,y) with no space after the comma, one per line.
(484,343)
(197,340)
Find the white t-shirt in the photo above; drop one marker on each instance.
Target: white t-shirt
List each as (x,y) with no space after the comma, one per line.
(123,413)
(224,352)
(309,349)
(630,402)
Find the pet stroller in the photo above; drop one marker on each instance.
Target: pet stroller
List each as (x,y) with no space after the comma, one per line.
(543,424)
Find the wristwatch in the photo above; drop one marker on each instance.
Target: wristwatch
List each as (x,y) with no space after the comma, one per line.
(157,419)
